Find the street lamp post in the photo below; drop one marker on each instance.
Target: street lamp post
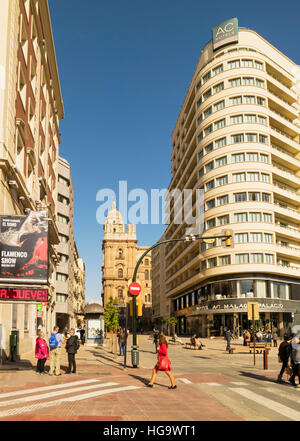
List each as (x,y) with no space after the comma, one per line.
(189,238)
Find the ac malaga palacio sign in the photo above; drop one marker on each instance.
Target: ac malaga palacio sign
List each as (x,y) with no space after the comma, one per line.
(225,33)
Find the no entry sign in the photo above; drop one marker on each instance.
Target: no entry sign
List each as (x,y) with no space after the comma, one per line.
(134,288)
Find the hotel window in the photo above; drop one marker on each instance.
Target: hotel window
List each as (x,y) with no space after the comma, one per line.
(209,147)
(223,220)
(260,83)
(217,69)
(233,64)
(63,180)
(264,158)
(203,264)
(199,120)
(201,154)
(253,196)
(252,157)
(284,262)
(210,185)
(210,204)
(223,180)
(242,258)
(61,277)
(235,82)
(248,81)
(62,219)
(201,172)
(240,217)
(235,139)
(258,65)
(238,157)
(220,143)
(269,258)
(206,77)
(218,87)
(262,120)
(61,298)
(206,95)
(265,177)
(200,137)
(255,237)
(263,139)
(234,101)
(224,260)
(221,161)
(260,101)
(241,238)
(247,63)
(220,105)
(208,129)
(237,119)
(199,85)
(63,199)
(219,124)
(250,119)
(212,262)
(238,177)
(254,217)
(209,166)
(256,258)
(251,137)
(266,197)
(211,223)
(249,99)
(222,200)
(199,102)
(268,238)
(240,197)
(207,112)
(267,217)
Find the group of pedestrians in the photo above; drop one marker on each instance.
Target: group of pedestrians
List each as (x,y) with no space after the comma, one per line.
(43,351)
(289,356)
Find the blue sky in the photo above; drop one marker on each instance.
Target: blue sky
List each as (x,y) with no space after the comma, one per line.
(124,69)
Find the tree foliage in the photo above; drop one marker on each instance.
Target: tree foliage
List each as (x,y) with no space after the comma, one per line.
(111,314)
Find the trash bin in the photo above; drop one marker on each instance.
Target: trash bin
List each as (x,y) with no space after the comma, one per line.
(14,344)
(135,356)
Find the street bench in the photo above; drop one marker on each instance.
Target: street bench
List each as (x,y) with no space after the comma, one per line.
(174,342)
(259,346)
(190,345)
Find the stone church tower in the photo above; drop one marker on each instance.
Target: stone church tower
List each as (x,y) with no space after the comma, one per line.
(120,254)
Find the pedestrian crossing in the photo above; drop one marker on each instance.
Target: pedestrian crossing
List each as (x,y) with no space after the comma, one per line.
(256,400)
(66,392)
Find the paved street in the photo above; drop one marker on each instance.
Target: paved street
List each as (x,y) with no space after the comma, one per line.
(211,385)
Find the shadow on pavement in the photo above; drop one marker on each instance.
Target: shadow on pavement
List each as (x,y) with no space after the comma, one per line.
(258,377)
(146,380)
(18,365)
(116,362)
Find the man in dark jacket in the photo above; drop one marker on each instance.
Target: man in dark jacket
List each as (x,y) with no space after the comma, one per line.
(284,353)
(72,346)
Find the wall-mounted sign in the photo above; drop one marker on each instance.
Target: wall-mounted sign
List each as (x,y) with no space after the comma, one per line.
(40,314)
(24,248)
(24,294)
(225,33)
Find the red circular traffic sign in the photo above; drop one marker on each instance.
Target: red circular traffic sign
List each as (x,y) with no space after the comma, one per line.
(134,288)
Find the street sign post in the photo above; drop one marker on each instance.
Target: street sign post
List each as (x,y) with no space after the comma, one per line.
(134,289)
(253,314)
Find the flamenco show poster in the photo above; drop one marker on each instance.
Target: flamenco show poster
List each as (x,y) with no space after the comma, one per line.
(24,248)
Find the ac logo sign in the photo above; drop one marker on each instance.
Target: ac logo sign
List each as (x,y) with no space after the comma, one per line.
(225,32)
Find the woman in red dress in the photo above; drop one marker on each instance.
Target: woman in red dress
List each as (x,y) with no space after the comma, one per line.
(163,363)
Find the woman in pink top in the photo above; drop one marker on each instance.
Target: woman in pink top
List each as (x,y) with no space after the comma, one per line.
(41,352)
(163,363)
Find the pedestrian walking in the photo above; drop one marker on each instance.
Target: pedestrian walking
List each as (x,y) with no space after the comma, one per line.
(295,360)
(72,346)
(275,338)
(122,340)
(55,342)
(155,339)
(269,337)
(163,363)
(41,352)
(284,354)
(228,336)
(82,336)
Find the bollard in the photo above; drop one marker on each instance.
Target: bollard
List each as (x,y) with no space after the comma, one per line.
(266,353)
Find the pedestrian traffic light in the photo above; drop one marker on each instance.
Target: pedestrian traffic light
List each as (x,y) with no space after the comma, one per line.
(139,311)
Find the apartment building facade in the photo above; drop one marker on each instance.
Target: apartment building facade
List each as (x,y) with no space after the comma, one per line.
(120,255)
(30,110)
(237,139)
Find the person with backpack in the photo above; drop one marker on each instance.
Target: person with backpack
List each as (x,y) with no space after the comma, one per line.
(295,360)
(72,346)
(284,353)
(55,341)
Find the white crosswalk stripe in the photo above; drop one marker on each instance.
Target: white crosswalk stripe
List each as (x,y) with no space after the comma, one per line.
(64,393)
(185,380)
